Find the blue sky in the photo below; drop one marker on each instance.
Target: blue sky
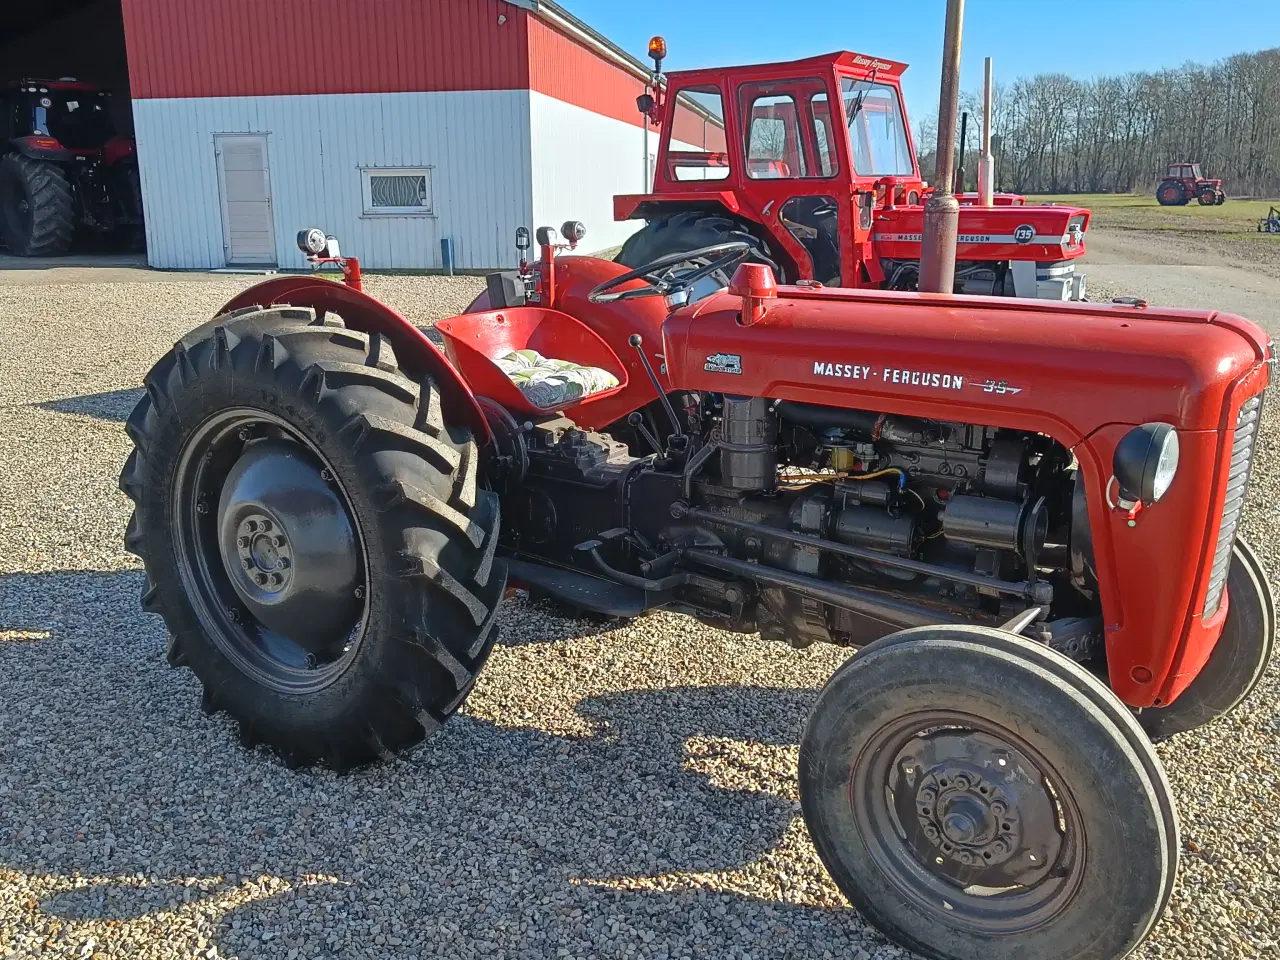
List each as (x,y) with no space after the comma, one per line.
(1077,37)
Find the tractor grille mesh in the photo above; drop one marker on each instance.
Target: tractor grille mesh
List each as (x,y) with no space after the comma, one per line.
(1237,481)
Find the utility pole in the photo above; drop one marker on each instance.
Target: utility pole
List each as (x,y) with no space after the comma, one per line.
(942,211)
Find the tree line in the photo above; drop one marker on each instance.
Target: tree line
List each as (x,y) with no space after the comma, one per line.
(1116,134)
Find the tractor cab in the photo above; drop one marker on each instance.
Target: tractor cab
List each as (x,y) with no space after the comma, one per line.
(74,116)
(812,160)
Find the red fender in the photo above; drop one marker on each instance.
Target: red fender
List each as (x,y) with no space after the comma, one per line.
(417,355)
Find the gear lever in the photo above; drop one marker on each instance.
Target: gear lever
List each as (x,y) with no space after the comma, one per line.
(638,342)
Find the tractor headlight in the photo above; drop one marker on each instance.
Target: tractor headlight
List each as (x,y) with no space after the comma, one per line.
(1146,461)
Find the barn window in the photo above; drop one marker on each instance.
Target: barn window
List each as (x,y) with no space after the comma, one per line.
(397,191)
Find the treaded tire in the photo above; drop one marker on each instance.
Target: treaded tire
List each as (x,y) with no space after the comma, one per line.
(1170,195)
(410,482)
(1131,834)
(1207,198)
(1238,660)
(46,229)
(691,230)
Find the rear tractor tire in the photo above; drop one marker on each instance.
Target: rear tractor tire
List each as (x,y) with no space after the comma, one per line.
(314,535)
(1238,660)
(36,211)
(978,796)
(1170,195)
(692,230)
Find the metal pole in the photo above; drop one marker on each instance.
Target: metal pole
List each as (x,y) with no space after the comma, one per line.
(942,212)
(648,176)
(986,162)
(964,146)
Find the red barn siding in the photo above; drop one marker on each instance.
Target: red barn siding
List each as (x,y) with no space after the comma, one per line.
(561,67)
(237,48)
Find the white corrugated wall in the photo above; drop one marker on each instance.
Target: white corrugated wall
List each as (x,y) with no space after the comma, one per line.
(477,143)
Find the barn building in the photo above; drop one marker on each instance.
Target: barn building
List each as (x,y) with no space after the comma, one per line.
(394,124)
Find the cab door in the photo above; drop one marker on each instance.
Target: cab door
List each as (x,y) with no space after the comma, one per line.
(792,161)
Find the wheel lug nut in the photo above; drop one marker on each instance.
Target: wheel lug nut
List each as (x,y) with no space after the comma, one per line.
(242,541)
(202,508)
(276,579)
(233,614)
(278,540)
(359,593)
(244,433)
(326,475)
(245,564)
(266,524)
(998,808)
(284,563)
(261,579)
(251,526)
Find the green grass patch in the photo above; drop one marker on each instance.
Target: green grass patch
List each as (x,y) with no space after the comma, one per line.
(1126,211)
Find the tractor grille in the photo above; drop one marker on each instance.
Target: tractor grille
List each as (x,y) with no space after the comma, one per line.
(1237,483)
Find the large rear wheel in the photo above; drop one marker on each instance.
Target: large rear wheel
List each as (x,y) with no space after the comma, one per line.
(1238,660)
(313,535)
(36,211)
(693,230)
(975,795)
(1170,194)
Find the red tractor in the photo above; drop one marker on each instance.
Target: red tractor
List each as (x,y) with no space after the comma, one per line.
(812,163)
(64,167)
(1182,182)
(1024,513)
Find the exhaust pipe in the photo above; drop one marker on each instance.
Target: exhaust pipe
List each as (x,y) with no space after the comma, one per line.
(986,162)
(942,212)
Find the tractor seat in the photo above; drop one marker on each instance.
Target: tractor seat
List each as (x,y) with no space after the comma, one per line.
(548,383)
(768,169)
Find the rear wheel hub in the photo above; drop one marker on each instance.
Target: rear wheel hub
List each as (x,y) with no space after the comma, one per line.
(288,545)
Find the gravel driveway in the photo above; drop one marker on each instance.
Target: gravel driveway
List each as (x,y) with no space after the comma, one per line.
(607,792)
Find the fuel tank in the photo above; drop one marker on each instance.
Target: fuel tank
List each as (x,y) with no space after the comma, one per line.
(1063,369)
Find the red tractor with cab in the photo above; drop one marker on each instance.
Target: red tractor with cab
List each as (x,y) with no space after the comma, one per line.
(812,163)
(1023,514)
(63,168)
(1183,183)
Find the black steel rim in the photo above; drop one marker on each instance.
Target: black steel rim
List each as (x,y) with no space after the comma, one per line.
(969,822)
(269,551)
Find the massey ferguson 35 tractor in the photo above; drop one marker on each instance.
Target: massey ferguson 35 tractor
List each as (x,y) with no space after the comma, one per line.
(812,163)
(1182,182)
(63,167)
(1023,513)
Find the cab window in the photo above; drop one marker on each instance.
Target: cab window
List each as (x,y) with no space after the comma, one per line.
(783,126)
(877,133)
(698,149)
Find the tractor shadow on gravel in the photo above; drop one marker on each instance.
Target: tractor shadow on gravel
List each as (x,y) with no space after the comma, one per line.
(115,405)
(661,824)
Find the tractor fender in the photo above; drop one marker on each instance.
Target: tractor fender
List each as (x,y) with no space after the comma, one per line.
(416,354)
(40,148)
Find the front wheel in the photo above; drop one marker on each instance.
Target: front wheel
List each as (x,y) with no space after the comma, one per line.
(978,797)
(313,535)
(1207,198)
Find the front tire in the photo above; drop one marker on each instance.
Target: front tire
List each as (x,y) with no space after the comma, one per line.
(1207,198)
(36,210)
(978,797)
(313,535)
(1238,660)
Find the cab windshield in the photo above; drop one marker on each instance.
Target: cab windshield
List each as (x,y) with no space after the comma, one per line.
(876,131)
(79,119)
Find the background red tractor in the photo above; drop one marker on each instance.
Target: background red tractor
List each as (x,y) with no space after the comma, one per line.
(812,163)
(1183,182)
(63,167)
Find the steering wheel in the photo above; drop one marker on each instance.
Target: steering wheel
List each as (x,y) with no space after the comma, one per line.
(657,273)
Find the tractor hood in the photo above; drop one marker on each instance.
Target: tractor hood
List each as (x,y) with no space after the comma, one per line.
(1002,232)
(1062,369)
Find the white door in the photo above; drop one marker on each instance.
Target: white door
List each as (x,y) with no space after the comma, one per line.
(244,184)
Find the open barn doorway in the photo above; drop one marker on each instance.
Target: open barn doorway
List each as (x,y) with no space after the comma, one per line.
(69,178)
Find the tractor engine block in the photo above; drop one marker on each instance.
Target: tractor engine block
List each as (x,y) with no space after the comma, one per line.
(971,523)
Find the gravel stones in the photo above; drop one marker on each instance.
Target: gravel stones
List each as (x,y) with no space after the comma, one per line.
(609,791)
